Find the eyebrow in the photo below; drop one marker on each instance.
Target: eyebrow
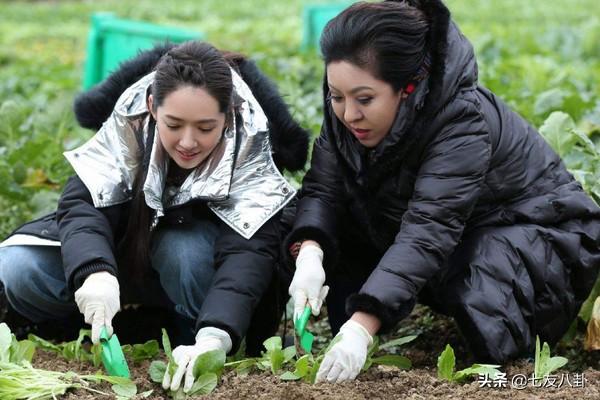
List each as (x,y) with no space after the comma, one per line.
(354,90)
(198,121)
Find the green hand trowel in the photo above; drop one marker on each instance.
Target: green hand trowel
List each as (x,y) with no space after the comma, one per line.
(112,355)
(303,337)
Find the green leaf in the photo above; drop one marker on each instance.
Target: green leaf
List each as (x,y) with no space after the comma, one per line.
(272,344)
(245,366)
(549,100)
(127,390)
(289,353)
(555,363)
(393,360)
(397,342)
(146,394)
(167,344)
(205,384)
(44,344)
(276,358)
(558,129)
(157,371)
(302,365)
(172,365)
(445,363)
(140,352)
(22,351)
(5,342)
(289,376)
(476,369)
(212,361)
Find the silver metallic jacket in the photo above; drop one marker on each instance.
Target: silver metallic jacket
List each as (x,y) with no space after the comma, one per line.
(239,180)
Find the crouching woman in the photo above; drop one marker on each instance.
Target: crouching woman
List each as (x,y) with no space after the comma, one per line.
(177,196)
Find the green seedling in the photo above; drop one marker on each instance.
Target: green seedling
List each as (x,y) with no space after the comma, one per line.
(141,352)
(544,365)
(19,380)
(73,350)
(446,364)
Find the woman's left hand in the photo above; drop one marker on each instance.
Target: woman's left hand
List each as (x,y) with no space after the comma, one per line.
(207,339)
(346,358)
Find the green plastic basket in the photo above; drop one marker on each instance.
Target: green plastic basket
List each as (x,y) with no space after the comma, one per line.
(315,18)
(112,40)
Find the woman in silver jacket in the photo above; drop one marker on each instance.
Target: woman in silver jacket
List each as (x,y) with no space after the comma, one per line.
(178,184)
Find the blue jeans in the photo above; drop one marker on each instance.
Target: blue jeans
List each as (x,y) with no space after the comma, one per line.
(183,257)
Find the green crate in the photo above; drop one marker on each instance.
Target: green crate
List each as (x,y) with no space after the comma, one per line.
(112,40)
(315,18)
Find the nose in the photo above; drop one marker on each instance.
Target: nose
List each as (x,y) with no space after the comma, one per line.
(351,112)
(188,140)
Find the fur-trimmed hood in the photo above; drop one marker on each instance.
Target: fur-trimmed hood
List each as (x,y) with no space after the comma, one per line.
(289,141)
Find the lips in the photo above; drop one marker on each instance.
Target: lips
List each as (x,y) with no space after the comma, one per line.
(187,156)
(361,134)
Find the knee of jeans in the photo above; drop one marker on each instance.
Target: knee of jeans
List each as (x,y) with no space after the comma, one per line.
(19,270)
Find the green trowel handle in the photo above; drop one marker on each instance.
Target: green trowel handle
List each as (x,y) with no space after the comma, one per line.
(301,322)
(112,355)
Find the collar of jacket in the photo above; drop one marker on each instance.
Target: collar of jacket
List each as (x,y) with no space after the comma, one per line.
(239,180)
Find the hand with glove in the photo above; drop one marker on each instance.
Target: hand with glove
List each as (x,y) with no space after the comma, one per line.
(346,358)
(207,339)
(307,284)
(98,301)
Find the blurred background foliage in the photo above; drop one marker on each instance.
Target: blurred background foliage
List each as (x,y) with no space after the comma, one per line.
(540,57)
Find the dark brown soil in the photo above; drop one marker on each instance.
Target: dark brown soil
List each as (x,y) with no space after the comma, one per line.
(380,382)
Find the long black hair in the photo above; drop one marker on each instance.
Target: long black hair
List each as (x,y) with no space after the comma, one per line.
(196,64)
(389,39)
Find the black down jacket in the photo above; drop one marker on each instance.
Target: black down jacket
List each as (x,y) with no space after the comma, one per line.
(245,268)
(462,203)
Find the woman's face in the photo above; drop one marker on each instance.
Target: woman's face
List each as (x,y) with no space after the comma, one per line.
(365,104)
(189,124)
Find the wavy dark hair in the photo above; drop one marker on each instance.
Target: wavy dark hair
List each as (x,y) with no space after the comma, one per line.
(389,39)
(196,64)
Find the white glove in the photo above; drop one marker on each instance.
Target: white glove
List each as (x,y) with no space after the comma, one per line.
(346,358)
(207,339)
(98,301)
(307,284)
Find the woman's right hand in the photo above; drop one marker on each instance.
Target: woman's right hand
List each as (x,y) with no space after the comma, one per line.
(307,284)
(98,300)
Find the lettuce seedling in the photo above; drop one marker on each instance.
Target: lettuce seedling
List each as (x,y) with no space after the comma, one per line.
(544,365)
(446,365)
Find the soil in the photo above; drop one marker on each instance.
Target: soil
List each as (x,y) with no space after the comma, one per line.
(381,382)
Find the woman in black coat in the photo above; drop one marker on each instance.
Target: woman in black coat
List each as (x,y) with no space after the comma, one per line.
(424,186)
(177,202)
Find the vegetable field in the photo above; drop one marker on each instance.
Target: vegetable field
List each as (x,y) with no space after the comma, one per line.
(543,58)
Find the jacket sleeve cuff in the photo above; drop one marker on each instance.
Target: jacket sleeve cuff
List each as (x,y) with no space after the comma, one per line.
(388,316)
(86,270)
(329,247)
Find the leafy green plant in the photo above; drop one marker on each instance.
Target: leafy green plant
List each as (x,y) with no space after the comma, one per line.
(388,359)
(140,352)
(544,365)
(207,370)
(74,350)
(446,366)
(13,350)
(307,366)
(19,380)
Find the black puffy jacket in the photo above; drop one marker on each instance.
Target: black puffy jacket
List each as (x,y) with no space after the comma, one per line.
(456,161)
